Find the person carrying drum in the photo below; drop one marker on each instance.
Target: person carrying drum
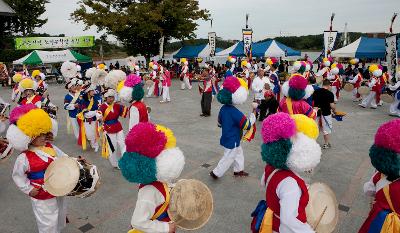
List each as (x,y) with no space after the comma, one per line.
(374,84)
(113,134)
(153,161)
(384,185)
(290,149)
(29,130)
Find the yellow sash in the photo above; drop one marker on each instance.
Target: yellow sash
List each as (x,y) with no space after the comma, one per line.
(48,150)
(29,100)
(161,210)
(104,144)
(289,105)
(81,117)
(392,221)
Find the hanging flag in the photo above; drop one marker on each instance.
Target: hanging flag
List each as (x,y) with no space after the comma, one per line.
(391,22)
(247,41)
(391,54)
(161,52)
(212,42)
(329,41)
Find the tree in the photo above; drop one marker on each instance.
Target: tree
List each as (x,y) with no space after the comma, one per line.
(27,16)
(140,24)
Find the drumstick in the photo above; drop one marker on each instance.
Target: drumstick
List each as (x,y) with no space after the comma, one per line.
(320,217)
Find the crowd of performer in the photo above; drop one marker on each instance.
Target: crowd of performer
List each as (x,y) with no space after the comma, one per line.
(293,108)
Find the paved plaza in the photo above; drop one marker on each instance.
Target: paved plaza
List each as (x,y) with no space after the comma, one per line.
(345,167)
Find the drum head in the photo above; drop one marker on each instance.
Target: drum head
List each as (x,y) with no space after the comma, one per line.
(191,204)
(364,90)
(348,87)
(61,176)
(149,82)
(387,98)
(319,79)
(322,209)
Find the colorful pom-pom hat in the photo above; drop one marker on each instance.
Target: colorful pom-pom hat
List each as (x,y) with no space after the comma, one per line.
(151,155)
(234,91)
(131,89)
(26,123)
(385,152)
(27,84)
(290,142)
(297,87)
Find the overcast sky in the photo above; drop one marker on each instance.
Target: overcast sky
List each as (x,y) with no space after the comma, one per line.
(268,18)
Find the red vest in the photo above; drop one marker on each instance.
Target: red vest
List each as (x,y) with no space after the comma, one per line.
(36,167)
(381,202)
(273,199)
(111,122)
(35,99)
(143,115)
(160,187)
(336,82)
(377,85)
(358,82)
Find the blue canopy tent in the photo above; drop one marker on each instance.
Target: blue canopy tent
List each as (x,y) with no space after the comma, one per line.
(364,47)
(269,48)
(194,51)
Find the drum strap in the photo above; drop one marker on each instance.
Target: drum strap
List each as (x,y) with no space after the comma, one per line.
(160,211)
(165,205)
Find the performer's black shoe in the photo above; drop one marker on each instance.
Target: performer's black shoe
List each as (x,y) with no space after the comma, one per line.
(215,177)
(241,174)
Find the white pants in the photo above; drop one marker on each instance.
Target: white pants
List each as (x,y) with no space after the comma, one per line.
(185,83)
(354,92)
(90,129)
(165,93)
(118,141)
(231,156)
(151,89)
(50,214)
(334,90)
(369,100)
(393,107)
(75,126)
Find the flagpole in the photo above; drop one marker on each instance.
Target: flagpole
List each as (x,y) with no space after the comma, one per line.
(391,23)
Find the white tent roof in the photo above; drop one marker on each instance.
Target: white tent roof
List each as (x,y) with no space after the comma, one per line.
(347,51)
(226,52)
(5,9)
(49,57)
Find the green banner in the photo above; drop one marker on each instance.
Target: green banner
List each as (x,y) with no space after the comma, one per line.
(30,43)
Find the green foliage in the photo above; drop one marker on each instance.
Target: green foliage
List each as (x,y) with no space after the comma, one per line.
(27,17)
(140,24)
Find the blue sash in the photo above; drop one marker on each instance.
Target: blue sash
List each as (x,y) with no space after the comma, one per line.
(36,175)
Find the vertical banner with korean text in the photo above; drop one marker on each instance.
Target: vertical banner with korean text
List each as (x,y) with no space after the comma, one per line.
(212,42)
(247,41)
(329,41)
(391,54)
